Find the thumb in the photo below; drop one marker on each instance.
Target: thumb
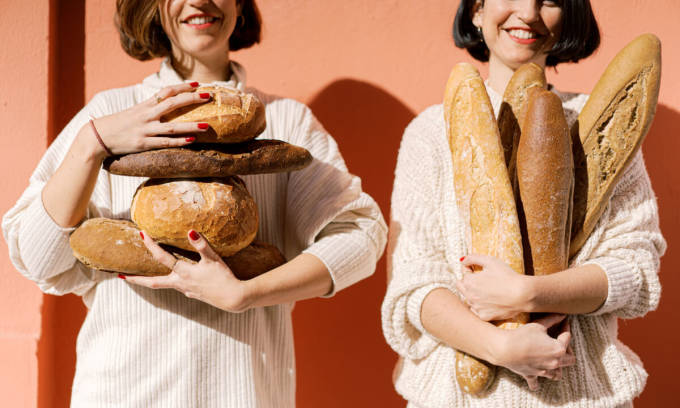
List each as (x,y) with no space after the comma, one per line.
(203,247)
(550,320)
(479,260)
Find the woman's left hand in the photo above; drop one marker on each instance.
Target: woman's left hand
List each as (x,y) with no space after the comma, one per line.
(210,280)
(494,293)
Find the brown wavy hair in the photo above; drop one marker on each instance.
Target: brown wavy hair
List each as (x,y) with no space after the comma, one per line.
(142,36)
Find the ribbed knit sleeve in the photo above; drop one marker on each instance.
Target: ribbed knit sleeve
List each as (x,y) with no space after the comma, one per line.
(327,213)
(417,238)
(38,247)
(627,244)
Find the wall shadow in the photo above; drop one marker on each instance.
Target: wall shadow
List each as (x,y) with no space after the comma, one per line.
(339,343)
(660,149)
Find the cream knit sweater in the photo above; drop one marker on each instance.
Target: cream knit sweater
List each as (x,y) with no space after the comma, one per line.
(140,347)
(426,244)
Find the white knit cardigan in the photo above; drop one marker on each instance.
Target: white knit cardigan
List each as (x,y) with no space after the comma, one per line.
(426,244)
(140,347)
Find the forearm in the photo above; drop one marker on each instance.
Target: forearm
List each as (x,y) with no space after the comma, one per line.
(445,316)
(67,193)
(578,290)
(303,277)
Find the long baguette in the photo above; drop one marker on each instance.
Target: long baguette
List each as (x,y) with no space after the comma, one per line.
(545,175)
(483,193)
(611,128)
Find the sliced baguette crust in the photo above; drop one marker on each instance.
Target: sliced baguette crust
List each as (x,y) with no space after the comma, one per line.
(545,175)
(201,160)
(513,109)
(220,209)
(483,193)
(611,128)
(116,246)
(233,116)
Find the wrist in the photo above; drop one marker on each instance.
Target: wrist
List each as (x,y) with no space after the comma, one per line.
(527,295)
(87,146)
(498,346)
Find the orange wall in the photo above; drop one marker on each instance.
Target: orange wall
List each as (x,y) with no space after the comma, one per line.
(365,68)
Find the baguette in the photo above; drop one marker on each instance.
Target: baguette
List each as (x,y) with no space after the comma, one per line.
(611,128)
(200,160)
(233,116)
(220,209)
(483,193)
(513,110)
(545,175)
(116,246)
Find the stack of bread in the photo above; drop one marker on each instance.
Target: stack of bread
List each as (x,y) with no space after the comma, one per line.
(195,188)
(529,189)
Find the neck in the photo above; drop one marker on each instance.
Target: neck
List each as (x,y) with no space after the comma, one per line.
(500,74)
(201,69)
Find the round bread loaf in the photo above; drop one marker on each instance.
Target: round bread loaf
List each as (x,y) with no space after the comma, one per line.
(115,246)
(201,160)
(233,116)
(220,209)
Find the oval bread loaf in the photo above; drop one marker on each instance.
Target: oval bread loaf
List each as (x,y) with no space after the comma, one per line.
(233,116)
(610,130)
(484,196)
(220,209)
(116,246)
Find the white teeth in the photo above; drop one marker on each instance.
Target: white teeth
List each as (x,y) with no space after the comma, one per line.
(200,20)
(525,35)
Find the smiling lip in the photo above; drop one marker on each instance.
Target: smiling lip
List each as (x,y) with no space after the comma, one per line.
(534,35)
(200,26)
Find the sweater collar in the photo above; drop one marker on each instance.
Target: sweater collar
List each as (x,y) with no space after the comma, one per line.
(166,76)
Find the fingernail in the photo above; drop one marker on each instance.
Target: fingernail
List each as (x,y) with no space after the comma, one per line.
(194,84)
(462,258)
(141,234)
(193,235)
(120,275)
(203,125)
(204,95)
(190,139)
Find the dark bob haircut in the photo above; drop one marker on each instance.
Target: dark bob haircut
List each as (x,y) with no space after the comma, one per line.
(143,38)
(579,39)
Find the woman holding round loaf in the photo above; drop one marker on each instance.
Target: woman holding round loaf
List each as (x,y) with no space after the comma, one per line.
(214,340)
(434,305)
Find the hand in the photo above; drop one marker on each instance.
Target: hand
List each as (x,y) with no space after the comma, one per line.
(530,352)
(139,128)
(494,293)
(210,280)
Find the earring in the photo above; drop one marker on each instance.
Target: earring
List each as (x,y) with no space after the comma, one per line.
(480,34)
(240,21)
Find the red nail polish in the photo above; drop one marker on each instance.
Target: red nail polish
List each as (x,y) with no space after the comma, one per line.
(204,95)
(193,235)
(190,139)
(462,258)
(141,234)
(194,84)
(120,275)
(203,125)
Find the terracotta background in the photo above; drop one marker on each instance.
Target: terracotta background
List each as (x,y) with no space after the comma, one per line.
(366,68)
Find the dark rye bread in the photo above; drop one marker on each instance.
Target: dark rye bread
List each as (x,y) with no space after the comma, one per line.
(116,246)
(545,175)
(611,128)
(233,116)
(212,160)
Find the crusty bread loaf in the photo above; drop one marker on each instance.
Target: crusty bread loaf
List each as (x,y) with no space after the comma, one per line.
(233,116)
(513,110)
(610,129)
(201,160)
(116,246)
(545,175)
(483,193)
(220,209)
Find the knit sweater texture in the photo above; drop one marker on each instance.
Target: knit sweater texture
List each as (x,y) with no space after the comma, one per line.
(141,347)
(426,244)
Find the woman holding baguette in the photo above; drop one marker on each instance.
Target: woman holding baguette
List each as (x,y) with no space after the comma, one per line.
(199,336)
(434,305)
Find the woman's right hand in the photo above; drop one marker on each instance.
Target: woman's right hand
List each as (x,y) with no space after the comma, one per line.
(530,352)
(139,128)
